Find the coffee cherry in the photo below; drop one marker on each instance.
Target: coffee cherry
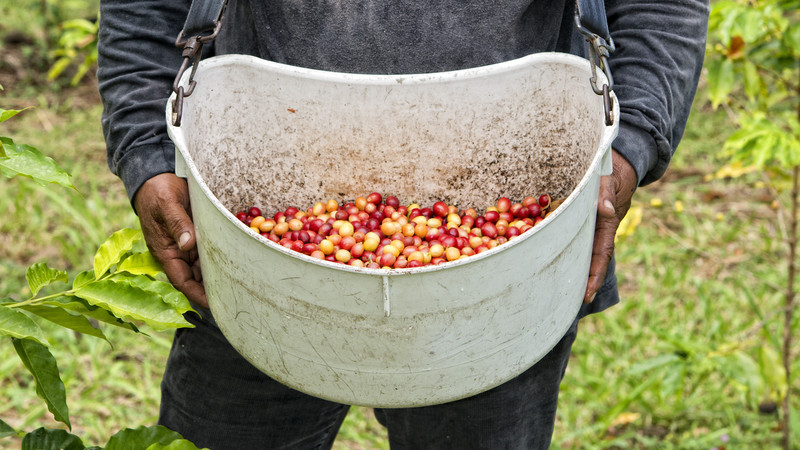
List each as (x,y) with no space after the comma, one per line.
(375,233)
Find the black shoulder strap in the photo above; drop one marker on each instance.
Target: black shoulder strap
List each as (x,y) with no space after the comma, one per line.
(203,17)
(591,15)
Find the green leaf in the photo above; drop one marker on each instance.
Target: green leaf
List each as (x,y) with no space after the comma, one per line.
(18,325)
(141,264)
(83,278)
(178,444)
(44,439)
(39,276)
(6,430)
(166,291)
(721,80)
(112,250)
(773,371)
(753,81)
(132,303)
(750,24)
(6,114)
(65,319)
(142,437)
(81,306)
(58,67)
(29,162)
(49,387)
(791,39)
(653,363)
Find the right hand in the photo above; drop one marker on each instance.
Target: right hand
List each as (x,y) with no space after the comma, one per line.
(162,204)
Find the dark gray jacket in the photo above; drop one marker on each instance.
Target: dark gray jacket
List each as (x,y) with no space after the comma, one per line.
(660,48)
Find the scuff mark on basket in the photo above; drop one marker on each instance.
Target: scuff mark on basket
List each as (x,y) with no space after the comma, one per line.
(335,373)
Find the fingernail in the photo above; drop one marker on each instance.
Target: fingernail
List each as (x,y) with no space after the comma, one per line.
(183,239)
(609,205)
(592,299)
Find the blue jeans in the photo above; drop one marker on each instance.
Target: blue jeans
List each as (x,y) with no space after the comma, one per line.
(216,399)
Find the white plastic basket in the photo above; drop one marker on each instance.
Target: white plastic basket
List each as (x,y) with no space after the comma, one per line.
(261,133)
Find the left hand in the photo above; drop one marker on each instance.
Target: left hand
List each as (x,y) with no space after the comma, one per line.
(613,203)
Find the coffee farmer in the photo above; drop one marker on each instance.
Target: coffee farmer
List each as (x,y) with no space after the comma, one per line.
(210,394)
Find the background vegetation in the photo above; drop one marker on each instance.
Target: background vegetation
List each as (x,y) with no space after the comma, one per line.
(689,359)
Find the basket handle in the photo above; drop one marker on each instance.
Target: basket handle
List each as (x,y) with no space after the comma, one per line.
(202,25)
(592,23)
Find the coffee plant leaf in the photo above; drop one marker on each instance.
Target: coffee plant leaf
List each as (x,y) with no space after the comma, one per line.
(721,80)
(27,161)
(83,278)
(64,318)
(51,439)
(753,81)
(6,114)
(18,325)
(178,444)
(141,437)
(6,430)
(129,302)
(39,276)
(166,291)
(81,306)
(49,387)
(113,249)
(141,264)
(791,39)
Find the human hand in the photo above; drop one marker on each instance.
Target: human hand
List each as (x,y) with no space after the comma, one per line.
(613,203)
(162,204)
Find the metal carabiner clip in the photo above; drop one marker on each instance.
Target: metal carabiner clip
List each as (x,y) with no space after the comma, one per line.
(599,51)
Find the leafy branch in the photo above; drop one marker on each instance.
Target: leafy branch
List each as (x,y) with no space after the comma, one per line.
(122,289)
(754,69)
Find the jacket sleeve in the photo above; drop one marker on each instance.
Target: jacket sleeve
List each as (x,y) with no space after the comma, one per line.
(137,63)
(656,66)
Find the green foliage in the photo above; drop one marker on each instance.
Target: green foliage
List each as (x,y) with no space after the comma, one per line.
(115,296)
(754,69)
(49,387)
(6,430)
(39,276)
(77,45)
(752,62)
(762,141)
(115,291)
(142,437)
(42,438)
(146,438)
(18,325)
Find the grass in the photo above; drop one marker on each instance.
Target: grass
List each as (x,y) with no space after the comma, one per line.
(701,282)
(683,362)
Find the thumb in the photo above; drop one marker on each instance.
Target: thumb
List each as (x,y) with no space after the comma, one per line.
(606,198)
(179,225)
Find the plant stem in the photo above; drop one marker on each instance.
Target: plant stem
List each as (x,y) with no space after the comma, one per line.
(787,326)
(39,299)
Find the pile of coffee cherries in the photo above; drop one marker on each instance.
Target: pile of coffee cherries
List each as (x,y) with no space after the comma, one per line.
(377,232)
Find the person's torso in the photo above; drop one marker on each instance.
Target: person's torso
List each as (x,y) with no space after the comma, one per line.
(396,36)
